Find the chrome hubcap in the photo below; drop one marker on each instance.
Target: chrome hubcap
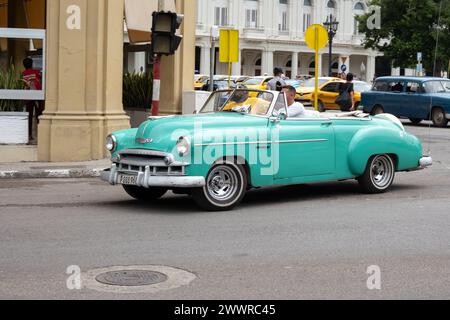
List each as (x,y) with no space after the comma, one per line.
(382,171)
(222,183)
(438,116)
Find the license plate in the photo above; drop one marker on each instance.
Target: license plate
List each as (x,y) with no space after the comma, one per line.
(128,180)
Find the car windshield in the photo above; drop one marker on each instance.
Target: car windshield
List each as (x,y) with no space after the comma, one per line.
(446,85)
(311,83)
(294,83)
(253,81)
(362,87)
(241,101)
(436,86)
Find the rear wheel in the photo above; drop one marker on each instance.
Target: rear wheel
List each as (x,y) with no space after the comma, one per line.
(225,187)
(438,118)
(377,110)
(143,194)
(415,120)
(379,175)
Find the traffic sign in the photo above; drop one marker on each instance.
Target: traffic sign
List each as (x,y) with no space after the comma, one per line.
(316,38)
(318,33)
(229,46)
(344,68)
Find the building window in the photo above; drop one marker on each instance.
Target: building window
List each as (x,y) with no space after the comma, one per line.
(221,16)
(251,20)
(358,11)
(306,21)
(283,24)
(307,3)
(331,4)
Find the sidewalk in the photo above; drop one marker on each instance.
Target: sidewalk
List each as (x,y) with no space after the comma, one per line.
(41,170)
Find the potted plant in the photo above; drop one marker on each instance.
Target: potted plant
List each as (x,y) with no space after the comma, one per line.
(137,96)
(137,91)
(13,119)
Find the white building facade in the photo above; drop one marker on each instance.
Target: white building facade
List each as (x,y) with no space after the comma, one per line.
(272,35)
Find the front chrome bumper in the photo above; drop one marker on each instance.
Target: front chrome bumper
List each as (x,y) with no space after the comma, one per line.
(447,116)
(146,179)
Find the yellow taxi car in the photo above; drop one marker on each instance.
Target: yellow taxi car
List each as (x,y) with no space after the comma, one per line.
(258,83)
(306,90)
(199,81)
(330,91)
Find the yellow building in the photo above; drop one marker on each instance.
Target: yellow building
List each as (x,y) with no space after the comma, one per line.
(82,60)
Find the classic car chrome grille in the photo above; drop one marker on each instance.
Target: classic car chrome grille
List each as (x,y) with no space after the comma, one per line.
(154,171)
(135,161)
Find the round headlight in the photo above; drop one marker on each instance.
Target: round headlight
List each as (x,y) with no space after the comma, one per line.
(111,143)
(183,146)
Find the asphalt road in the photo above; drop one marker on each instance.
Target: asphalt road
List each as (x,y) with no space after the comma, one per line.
(297,242)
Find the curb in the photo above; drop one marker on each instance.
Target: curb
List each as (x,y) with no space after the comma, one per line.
(51,174)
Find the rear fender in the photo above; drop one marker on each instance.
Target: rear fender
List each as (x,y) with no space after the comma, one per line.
(382,140)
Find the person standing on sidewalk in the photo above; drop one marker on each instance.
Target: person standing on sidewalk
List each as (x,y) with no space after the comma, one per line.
(33,81)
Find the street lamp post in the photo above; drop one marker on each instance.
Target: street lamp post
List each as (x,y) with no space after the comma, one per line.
(214,36)
(332,26)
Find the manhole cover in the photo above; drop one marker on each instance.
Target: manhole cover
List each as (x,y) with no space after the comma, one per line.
(136,279)
(131,278)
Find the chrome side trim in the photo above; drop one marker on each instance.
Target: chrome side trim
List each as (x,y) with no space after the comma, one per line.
(447,115)
(258,142)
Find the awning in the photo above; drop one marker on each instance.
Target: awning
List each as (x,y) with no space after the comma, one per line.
(138,16)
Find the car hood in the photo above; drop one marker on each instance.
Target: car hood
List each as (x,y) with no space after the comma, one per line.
(163,133)
(305,90)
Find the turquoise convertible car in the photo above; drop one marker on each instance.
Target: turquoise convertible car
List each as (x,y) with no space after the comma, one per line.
(243,139)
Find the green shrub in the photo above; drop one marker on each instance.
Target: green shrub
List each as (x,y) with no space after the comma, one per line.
(9,80)
(137,90)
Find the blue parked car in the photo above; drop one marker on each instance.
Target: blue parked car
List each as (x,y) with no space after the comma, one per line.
(415,98)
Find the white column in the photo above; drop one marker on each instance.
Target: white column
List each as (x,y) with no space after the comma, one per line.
(292,9)
(370,68)
(320,64)
(236,67)
(267,62)
(275,17)
(205,60)
(294,69)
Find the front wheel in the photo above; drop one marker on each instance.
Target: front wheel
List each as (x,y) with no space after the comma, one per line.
(379,175)
(225,187)
(143,194)
(439,118)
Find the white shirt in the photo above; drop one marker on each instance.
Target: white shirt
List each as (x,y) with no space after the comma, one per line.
(296,110)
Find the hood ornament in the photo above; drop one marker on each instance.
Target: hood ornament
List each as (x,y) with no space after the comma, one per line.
(144,141)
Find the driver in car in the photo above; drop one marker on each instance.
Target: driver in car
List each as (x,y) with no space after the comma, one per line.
(238,99)
(295,109)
